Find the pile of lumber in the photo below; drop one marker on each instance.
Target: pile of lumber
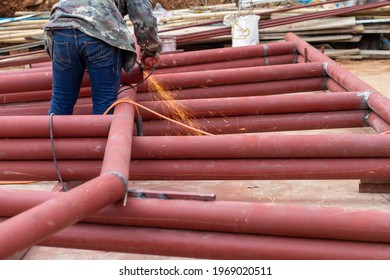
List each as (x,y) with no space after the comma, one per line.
(205,25)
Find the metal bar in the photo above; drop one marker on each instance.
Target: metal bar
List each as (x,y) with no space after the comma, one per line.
(211,169)
(239,63)
(231,106)
(254,105)
(211,245)
(235,76)
(217,147)
(250,89)
(225,54)
(262,123)
(63,126)
(377,123)
(226,216)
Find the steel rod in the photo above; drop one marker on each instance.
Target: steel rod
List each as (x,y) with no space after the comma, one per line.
(250,89)
(235,76)
(226,216)
(211,169)
(261,123)
(217,147)
(253,105)
(211,245)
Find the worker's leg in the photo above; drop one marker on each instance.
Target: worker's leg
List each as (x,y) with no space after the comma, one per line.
(104,66)
(68,71)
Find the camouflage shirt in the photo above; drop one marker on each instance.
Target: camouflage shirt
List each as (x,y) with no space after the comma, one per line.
(104,19)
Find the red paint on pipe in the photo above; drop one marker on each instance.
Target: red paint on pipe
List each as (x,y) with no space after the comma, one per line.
(211,245)
(262,123)
(237,76)
(257,105)
(225,54)
(377,123)
(250,89)
(63,126)
(226,216)
(241,63)
(218,169)
(217,147)
(56,214)
(376,100)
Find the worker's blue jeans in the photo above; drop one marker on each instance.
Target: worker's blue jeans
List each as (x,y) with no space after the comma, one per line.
(73,52)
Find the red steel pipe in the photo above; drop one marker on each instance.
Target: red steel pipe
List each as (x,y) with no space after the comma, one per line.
(376,100)
(261,123)
(98,126)
(253,105)
(34,96)
(247,105)
(218,169)
(63,126)
(226,216)
(211,245)
(235,76)
(217,147)
(241,63)
(261,88)
(225,54)
(39,81)
(377,123)
(333,86)
(38,223)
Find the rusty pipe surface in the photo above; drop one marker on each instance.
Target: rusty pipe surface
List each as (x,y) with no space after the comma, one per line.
(211,169)
(217,147)
(226,216)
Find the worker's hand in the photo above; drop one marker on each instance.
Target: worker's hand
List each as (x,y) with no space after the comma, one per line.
(149,60)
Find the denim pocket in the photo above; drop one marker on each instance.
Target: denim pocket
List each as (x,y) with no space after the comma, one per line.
(61,55)
(100,53)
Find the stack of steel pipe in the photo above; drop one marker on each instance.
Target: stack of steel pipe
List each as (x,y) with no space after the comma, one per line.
(101,151)
(234,230)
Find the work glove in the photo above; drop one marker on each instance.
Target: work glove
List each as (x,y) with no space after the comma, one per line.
(149,60)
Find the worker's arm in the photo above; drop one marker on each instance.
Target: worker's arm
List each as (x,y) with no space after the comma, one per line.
(145,26)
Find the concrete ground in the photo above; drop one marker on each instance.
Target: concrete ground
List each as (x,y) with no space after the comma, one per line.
(336,193)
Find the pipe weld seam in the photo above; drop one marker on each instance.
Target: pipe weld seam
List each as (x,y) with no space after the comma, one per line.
(124,181)
(366,94)
(266,49)
(325,68)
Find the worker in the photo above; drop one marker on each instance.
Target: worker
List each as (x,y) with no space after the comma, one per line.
(92,35)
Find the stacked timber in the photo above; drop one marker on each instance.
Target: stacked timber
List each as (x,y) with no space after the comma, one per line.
(320,26)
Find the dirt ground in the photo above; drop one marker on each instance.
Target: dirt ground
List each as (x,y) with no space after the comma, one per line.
(9,7)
